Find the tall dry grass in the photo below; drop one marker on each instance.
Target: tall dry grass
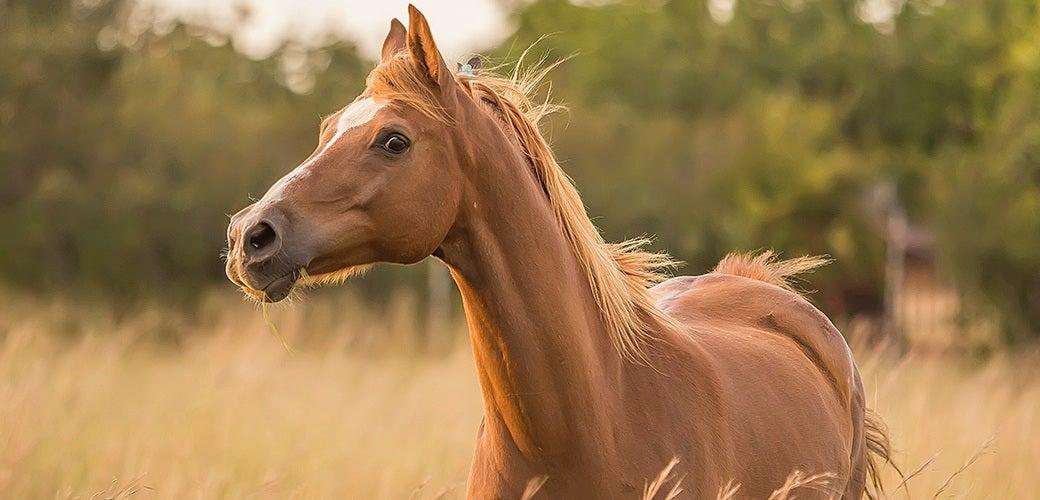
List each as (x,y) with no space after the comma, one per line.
(91,403)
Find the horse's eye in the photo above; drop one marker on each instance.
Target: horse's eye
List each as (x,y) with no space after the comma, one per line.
(395,144)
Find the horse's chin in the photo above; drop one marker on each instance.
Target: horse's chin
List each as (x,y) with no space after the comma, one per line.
(279,289)
(330,278)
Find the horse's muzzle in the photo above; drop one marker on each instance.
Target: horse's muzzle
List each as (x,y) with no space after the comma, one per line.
(258,260)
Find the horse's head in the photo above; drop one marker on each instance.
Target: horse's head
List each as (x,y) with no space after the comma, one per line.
(383,185)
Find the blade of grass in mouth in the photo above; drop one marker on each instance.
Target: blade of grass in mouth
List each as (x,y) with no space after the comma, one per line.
(273,328)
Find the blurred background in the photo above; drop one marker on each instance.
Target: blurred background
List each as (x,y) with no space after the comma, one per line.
(900,137)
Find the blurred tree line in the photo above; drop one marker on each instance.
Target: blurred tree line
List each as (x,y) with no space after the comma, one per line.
(715,125)
(124,147)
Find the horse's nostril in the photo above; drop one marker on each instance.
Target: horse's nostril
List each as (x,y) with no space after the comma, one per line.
(261,236)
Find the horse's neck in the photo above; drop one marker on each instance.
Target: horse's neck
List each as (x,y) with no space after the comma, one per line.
(547,368)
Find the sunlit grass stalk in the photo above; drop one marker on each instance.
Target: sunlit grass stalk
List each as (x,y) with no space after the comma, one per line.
(274,328)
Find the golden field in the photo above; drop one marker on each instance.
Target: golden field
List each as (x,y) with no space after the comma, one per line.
(155,403)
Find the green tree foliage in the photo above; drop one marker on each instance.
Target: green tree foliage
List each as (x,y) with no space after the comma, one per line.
(771,130)
(120,163)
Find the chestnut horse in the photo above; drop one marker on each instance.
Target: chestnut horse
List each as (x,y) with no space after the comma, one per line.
(595,372)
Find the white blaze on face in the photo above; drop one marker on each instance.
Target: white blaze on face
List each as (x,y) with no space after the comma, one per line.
(355,115)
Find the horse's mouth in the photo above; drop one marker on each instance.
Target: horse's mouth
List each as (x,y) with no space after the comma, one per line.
(275,291)
(280,287)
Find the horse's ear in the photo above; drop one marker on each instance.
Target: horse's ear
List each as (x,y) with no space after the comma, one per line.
(424,51)
(396,40)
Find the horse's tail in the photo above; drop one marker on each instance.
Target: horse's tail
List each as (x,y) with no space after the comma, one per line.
(766,266)
(879,452)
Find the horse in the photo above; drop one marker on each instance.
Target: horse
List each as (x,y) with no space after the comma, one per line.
(596,370)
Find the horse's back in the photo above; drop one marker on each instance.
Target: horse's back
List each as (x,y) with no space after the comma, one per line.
(710,303)
(787,376)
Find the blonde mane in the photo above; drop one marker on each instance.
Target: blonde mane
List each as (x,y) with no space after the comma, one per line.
(618,273)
